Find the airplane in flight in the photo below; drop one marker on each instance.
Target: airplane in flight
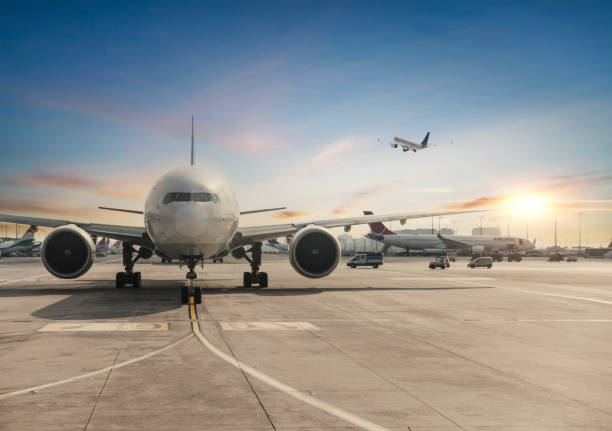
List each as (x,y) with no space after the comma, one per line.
(478,244)
(190,215)
(24,243)
(408,145)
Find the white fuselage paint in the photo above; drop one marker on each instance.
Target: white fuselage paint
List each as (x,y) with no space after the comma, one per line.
(406,144)
(424,242)
(198,229)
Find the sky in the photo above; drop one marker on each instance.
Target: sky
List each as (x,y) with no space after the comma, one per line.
(291,98)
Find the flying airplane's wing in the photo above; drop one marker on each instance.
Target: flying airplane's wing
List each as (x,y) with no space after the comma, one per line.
(248,235)
(135,235)
(449,243)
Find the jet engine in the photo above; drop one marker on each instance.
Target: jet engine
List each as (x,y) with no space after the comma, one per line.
(68,252)
(478,249)
(314,252)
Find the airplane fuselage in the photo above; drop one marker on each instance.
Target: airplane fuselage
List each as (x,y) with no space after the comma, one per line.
(191,214)
(423,242)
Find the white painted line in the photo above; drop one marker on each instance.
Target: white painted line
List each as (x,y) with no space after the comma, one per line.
(580,298)
(567,320)
(46,274)
(94,373)
(270,381)
(441,278)
(102,326)
(268,326)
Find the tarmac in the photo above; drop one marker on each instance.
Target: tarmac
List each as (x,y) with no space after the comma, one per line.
(521,346)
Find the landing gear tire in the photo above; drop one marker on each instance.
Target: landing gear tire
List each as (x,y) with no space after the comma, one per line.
(136,278)
(185,295)
(262,279)
(197,295)
(120,280)
(247,279)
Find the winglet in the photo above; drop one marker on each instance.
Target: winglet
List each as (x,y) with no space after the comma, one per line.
(424,143)
(192,149)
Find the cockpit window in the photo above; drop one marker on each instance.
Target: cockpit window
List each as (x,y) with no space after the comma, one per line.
(191,197)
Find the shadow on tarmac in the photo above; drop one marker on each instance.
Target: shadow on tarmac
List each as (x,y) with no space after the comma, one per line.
(318,290)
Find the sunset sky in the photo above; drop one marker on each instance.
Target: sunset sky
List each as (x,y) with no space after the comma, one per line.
(290,99)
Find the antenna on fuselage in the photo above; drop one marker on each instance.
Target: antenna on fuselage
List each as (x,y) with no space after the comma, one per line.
(192,145)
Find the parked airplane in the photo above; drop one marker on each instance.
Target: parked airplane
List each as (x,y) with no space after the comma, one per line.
(477,243)
(277,245)
(102,247)
(116,248)
(410,145)
(190,215)
(24,243)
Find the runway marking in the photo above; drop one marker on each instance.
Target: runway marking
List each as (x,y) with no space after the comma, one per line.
(270,381)
(103,326)
(440,278)
(268,326)
(580,298)
(46,274)
(567,320)
(94,373)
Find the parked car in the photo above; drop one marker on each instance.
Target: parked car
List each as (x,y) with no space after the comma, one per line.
(366,259)
(572,257)
(555,257)
(439,262)
(481,262)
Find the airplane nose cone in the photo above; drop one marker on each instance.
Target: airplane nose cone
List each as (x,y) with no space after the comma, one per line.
(191,220)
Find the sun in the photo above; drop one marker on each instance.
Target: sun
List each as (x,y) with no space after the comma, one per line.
(528,204)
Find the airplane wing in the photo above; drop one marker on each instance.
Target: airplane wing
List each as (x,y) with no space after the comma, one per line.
(449,243)
(135,235)
(248,235)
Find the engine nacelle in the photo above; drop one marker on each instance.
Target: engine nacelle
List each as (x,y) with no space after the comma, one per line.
(478,249)
(68,252)
(314,252)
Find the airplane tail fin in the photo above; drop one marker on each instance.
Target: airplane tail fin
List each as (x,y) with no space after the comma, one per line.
(610,245)
(29,234)
(425,140)
(378,228)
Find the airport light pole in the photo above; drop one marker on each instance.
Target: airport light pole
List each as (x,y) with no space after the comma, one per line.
(481,217)
(579,233)
(555,232)
(432,225)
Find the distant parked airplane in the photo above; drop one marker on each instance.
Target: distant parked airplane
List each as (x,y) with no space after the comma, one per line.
(24,243)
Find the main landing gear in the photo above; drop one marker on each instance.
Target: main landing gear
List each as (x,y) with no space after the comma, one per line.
(190,289)
(128,277)
(255,277)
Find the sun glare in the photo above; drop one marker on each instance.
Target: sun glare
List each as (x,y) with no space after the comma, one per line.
(528,204)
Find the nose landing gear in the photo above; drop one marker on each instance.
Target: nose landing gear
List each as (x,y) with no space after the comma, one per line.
(190,289)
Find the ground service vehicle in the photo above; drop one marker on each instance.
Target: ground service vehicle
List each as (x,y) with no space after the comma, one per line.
(481,262)
(556,257)
(572,257)
(515,257)
(439,262)
(366,259)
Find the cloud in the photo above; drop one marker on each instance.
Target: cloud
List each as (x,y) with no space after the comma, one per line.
(74,181)
(334,148)
(45,208)
(291,214)
(362,197)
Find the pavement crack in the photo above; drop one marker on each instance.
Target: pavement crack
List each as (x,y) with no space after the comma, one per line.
(392,383)
(106,381)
